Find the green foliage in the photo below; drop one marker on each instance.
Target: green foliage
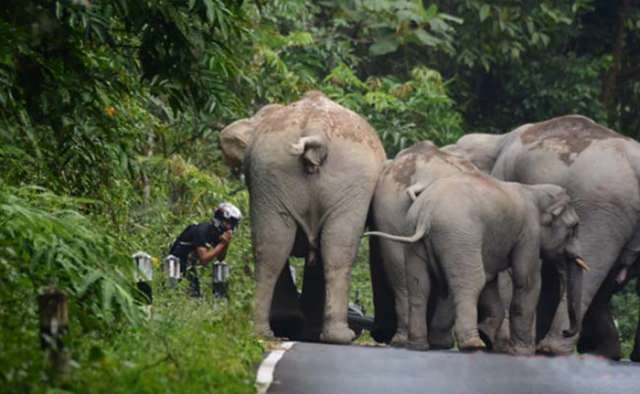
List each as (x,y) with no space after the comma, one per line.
(393,24)
(626,308)
(189,346)
(78,137)
(109,118)
(403,113)
(47,242)
(297,50)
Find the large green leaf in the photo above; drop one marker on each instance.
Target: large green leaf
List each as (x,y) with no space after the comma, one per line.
(426,38)
(384,46)
(485,10)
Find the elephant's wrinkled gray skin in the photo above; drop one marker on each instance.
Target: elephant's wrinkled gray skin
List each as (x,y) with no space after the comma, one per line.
(600,170)
(311,168)
(420,164)
(470,227)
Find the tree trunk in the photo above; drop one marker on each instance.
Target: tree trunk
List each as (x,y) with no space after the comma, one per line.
(609,87)
(54,325)
(146,190)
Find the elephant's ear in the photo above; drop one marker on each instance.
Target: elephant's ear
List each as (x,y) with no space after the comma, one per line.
(557,208)
(414,190)
(234,140)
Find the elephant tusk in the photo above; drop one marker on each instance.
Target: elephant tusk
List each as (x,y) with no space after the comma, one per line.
(580,263)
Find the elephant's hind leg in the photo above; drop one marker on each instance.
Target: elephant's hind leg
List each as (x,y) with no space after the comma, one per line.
(525,270)
(383,301)
(491,313)
(339,244)
(419,287)
(466,277)
(273,238)
(394,265)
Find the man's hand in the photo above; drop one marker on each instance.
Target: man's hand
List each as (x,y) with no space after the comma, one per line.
(225,238)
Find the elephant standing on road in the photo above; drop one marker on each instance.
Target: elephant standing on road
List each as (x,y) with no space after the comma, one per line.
(421,163)
(600,170)
(311,168)
(470,227)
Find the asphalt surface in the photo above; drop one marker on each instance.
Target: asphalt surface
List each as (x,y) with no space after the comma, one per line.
(312,368)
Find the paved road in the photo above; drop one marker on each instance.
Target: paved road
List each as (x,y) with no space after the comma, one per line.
(310,368)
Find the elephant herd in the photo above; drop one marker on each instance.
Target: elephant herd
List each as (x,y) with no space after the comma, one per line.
(512,242)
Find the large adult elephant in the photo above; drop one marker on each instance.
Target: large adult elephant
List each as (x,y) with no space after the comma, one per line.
(600,170)
(419,164)
(311,168)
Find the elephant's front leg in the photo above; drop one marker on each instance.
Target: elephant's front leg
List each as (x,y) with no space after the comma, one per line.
(273,238)
(418,286)
(491,314)
(600,256)
(526,291)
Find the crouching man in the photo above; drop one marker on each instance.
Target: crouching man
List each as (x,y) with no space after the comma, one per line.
(200,243)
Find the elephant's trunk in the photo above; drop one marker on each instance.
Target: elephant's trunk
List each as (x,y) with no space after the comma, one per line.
(575,268)
(420,232)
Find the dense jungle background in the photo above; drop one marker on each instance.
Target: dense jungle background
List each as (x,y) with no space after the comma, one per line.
(109,120)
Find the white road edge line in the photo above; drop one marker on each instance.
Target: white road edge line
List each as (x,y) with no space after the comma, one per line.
(268,366)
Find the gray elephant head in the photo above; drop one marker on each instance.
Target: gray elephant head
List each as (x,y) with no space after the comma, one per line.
(235,138)
(559,244)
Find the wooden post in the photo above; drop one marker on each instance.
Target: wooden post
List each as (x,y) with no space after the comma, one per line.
(54,325)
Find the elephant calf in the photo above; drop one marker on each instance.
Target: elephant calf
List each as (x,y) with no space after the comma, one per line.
(471,227)
(419,164)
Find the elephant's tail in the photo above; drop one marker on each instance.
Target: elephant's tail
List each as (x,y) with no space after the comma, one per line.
(419,234)
(312,149)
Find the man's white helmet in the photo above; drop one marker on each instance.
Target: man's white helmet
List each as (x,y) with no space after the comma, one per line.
(227,211)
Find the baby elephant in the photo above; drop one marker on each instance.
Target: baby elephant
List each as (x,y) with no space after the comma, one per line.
(470,227)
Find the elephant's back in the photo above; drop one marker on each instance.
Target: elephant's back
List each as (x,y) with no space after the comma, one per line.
(479,212)
(596,165)
(422,163)
(606,172)
(315,114)
(567,140)
(478,197)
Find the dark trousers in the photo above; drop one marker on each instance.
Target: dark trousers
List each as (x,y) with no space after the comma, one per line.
(221,290)
(191,274)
